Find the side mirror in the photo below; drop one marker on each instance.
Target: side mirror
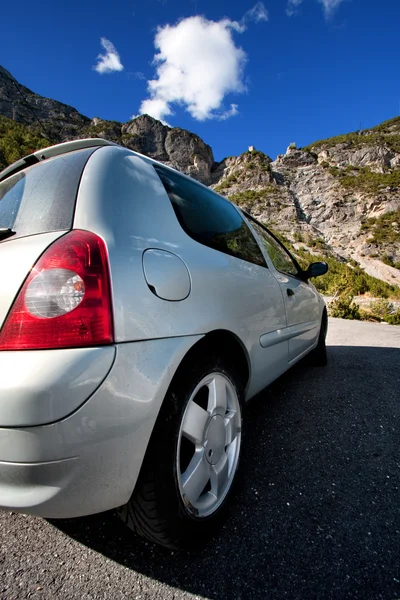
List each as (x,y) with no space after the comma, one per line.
(316,269)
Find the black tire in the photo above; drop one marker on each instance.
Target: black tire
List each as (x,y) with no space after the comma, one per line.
(156,509)
(318,357)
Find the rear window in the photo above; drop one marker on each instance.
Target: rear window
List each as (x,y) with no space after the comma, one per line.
(210,219)
(42,198)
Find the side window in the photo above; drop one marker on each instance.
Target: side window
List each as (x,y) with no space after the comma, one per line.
(209,219)
(277,253)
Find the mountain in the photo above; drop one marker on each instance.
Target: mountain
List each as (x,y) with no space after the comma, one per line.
(17,102)
(341,194)
(58,122)
(338,197)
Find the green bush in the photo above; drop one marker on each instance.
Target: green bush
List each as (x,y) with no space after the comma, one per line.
(393,319)
(230,180)
(343,307)
(251,197)
(386,134)
(298,236)
(17,141)
(342,279)
(381,308)
(381,228)
(385,311)
(366,180)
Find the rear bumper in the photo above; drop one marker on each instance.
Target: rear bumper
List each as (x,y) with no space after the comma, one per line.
(89,461)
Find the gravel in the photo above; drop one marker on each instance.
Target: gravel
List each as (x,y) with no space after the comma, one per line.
(316,514)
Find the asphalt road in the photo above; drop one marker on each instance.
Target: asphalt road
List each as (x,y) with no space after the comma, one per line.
(317,514)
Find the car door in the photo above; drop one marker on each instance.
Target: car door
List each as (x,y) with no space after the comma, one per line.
(303,312)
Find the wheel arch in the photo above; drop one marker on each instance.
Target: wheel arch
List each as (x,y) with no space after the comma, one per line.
(229,345)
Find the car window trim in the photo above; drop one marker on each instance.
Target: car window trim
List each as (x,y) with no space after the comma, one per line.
(300,270)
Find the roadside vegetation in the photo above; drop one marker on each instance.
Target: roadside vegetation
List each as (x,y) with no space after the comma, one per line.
(380,310)
(346,281)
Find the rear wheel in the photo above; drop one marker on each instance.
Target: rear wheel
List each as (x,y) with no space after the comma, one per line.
(192,460)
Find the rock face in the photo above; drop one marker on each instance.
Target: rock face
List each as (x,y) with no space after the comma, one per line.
(342,194)
(176,147)
(17,102)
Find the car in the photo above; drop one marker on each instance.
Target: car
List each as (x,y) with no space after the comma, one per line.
(139,312)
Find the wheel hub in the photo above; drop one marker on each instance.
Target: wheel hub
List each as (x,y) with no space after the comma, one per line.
(214,440)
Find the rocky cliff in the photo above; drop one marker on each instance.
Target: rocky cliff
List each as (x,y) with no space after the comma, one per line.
(339,196)
(58,121)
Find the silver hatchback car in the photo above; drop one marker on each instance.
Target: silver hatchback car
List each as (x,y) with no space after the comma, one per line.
(139,311)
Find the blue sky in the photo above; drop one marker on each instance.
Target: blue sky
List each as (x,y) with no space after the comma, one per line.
(236,73)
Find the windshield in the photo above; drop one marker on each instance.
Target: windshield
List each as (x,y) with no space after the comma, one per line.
(42,198)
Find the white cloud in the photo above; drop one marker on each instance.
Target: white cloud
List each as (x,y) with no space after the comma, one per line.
(257,13)
(292,7)
(229,113)
(197,65)
(109,62)
(136,75)
(329,7)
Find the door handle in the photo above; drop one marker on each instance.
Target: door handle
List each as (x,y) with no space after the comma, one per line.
(289,292)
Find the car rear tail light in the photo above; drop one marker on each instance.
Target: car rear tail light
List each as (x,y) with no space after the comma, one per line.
(66,300)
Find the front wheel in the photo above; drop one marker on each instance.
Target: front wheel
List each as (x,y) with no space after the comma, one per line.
(192,460)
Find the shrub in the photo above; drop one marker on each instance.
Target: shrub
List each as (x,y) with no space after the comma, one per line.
(17,141)
(381,308)
(343,307)
(394,318)
(366,180)
(252,197)
(385,311)
(298,236)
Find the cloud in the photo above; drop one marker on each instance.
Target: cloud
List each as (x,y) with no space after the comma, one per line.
(109,62)
(329,7)
(136,75)
(292,7)
(228,113)
(197,65)
(257,13)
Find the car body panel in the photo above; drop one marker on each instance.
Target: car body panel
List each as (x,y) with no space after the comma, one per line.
(42,386)
(166,275)
(303,313)
(303,308)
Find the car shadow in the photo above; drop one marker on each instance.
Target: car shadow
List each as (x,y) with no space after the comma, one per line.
(316,512)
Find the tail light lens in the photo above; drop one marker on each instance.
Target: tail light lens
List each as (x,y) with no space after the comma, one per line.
(66,300)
